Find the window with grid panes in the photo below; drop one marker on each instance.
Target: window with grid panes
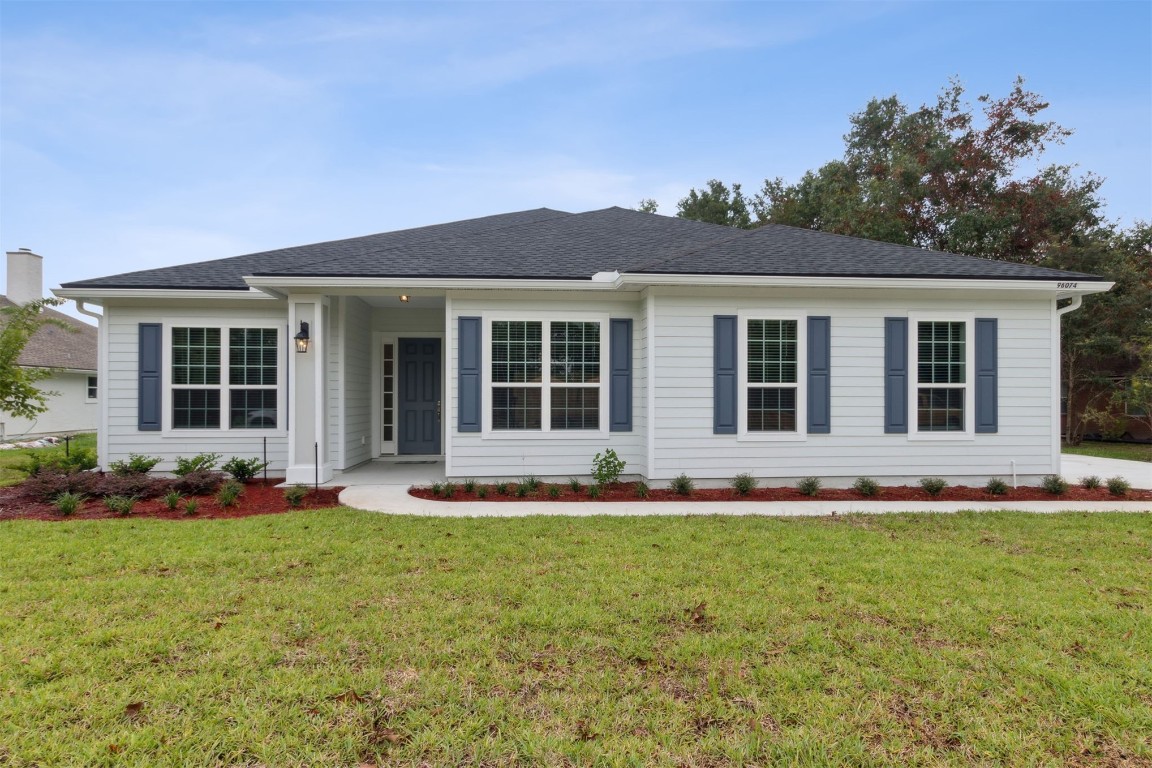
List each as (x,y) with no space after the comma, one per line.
(526,394)
(214,368)
(941,376)
(773,362)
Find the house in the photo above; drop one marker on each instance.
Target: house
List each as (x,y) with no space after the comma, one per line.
(525,343)
(72,353)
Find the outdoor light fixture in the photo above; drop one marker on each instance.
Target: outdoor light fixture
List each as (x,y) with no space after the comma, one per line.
(404,298)
(302,338)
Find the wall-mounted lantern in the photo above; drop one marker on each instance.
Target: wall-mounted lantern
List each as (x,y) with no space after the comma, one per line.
(302,338)
(404,298)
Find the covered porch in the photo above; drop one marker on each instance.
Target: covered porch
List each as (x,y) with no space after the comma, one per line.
(391,470)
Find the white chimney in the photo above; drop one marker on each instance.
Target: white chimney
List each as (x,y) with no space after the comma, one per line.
(25,276)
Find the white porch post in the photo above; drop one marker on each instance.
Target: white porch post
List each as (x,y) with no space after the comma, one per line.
(308,393)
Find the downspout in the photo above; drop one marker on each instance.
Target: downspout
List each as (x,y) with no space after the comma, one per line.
(101,381)
(1077,300)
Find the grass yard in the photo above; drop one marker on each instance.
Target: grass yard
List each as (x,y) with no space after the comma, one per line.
(1126,451)
(342,638)
(12,461)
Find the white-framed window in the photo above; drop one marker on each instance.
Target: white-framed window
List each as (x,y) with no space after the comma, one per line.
(772,364)
(223,377)
(545,375)
(93,389)
(942,356)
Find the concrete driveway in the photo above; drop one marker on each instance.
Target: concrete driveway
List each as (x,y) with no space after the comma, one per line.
(1137,473)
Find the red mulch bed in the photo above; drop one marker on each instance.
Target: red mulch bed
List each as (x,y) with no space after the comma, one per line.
(258,499)
(627,492)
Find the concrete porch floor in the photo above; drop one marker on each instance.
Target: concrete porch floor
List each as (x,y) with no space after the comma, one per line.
(392,470)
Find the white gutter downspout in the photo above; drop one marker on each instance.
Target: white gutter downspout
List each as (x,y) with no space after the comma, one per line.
(1057,432)
(101,380)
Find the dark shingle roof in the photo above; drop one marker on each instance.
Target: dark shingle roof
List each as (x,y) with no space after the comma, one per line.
(54,347)
(544,243)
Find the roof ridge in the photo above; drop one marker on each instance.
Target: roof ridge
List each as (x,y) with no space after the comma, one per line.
(696,248)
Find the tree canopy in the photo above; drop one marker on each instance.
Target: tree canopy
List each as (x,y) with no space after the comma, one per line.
(19,395)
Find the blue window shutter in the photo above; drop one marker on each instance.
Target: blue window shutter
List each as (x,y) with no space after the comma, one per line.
(620,388)
(819,375)
(725,381)
(986,354)
(896,375)
(148,405)
(469,345)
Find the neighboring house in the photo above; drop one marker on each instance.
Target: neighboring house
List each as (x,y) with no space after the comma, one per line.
(73,354)
(525,343)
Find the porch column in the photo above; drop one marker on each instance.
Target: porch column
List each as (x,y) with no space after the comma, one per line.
(308,393)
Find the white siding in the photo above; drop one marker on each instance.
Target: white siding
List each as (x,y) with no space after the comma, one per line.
(119,385)
(357,354)
(69,410)
(558,456)
(857,445)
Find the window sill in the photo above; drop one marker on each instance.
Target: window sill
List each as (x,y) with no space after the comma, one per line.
(558,434)
(942,437)
(772,437)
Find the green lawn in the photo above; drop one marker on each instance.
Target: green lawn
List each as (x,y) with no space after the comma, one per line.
(1127,451)
(338,637)
(12,462)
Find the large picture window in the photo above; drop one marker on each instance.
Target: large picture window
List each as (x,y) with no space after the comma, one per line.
(941,376)
(545,375)
(218,368)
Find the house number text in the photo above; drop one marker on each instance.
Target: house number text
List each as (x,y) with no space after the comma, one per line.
(1066,285)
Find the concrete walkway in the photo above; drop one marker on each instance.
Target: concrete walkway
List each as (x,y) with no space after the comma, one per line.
(391,496)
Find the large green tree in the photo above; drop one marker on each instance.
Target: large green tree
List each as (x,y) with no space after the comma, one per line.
(19,395)
(716,204)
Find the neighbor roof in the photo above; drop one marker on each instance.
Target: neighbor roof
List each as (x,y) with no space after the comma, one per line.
(55,347)
(548,244)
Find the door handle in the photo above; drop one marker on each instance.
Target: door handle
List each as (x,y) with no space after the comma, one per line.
(437,410)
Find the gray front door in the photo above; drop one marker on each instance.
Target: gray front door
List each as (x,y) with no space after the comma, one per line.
(419,397)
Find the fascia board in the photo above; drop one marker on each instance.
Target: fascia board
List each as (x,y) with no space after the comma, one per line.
(95,295)
(1064,289)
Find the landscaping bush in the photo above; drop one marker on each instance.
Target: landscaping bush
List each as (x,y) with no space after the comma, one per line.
(449,490)
(996,487)
(67,503)
(1118,486)
(172,500)
(682,484)
(295,494)
(121,505)
(574,485)
(809,486)
(243,470)
(642,491)
(1090,483)
(201,462)
(469,485)
(46,485)
(1054,484)
(594,491)
(743,483)
(76,460)
(198,483)
(866,486)
(190,506)
(436,489)
(606,467)
(531,482)
(228,493)
(139,486)
(933,485)
(554,491)
(137,464)
(481,491)
(502,488)
(522,490)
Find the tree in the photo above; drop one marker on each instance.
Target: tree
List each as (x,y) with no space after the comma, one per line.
(647,205)
(19,395)
(943,177)
(716,205)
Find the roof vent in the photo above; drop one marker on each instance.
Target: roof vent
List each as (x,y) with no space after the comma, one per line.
(606,277)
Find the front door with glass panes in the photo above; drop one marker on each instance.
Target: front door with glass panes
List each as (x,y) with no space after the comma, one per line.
(412,399)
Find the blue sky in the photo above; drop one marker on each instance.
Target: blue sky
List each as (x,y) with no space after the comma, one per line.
(135,135)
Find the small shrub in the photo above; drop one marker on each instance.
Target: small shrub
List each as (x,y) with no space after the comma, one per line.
(172,500)
(57,461)
(437,489)
(228,493)
(138,485)
(642,491)
(67,503)
(743,483)
(198,483)
(995,487)
(1090,483)
(469,485)
(606,467)
(866,486)
(1118,486)
(594,491)
(532,482)
(682,484)
(554,491)
(243,470)
(190,506)
(933,485)
(137,464)
(481,491)
(1054,484)
(201,462)
(522,490)
(295,494)
(574,485)
(121,505)
(809,486)
(46,486)
(449,490)
(501,488)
